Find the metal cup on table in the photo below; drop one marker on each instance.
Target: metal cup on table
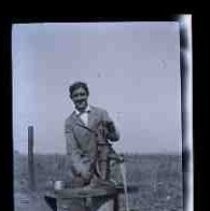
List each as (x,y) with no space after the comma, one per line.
(59,185)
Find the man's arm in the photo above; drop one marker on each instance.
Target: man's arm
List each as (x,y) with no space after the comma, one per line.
(81,166)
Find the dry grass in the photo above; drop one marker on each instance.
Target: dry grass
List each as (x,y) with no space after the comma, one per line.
(159,178)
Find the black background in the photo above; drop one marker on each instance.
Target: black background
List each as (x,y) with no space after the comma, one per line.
(201,57)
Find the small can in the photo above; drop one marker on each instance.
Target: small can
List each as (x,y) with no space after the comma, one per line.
(58,185)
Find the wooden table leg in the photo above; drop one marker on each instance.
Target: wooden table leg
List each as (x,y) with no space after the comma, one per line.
(88,204)
(116,203)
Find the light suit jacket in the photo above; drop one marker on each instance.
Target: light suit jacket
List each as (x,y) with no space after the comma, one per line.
(80,141)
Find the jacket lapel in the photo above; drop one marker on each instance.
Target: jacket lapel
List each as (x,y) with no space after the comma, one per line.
(77,119)
(91,118)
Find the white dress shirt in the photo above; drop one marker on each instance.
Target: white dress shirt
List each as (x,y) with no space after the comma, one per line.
(83,115)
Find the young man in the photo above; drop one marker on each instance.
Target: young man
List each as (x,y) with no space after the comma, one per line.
(79,127)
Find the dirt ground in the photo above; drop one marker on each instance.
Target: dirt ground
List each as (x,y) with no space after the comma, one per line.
(30,201)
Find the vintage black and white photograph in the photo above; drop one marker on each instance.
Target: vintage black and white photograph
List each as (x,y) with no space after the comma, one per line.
(97,116)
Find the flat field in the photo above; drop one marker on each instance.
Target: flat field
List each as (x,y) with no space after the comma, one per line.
(158,177)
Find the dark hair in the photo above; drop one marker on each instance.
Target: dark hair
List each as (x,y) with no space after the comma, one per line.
(77,85)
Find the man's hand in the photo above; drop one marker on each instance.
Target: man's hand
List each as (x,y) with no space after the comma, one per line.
(110,126)
(112,133)
(87,170)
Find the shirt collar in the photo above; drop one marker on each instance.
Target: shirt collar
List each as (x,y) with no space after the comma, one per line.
(88,109)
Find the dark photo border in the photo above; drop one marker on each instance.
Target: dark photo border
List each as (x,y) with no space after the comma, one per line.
(200,100)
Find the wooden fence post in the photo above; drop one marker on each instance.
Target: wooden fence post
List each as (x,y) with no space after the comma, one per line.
(31,158)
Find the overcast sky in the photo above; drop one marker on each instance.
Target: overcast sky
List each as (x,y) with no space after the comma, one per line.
(132,69)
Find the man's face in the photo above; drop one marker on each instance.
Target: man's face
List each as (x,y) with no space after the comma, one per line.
(79,97)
